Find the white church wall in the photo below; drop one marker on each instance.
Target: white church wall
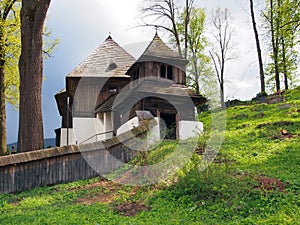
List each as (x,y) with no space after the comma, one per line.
(108,124)
(154,133)
(85,130)
(189,129)
(129,125)
(64,137)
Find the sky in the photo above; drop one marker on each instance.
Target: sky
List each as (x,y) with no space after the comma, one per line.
(82,25)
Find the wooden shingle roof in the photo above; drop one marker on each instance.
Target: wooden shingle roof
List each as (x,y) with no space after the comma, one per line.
(150,87)
(109,59)
(157,48)
(158,51)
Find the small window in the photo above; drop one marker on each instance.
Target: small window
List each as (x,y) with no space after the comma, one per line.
(113,90)
(170,73)
(112,65)
(163,71)
(136,74)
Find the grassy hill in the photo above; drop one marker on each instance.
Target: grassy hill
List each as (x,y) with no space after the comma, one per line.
(254,180)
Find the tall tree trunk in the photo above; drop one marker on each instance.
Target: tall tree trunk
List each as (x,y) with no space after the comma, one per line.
(33,14)
(260,61)
(222,97)
(3,146)
(186,27)
(222,82)
(275,46)
(284,67)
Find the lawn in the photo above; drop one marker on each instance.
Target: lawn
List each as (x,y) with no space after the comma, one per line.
(254,180)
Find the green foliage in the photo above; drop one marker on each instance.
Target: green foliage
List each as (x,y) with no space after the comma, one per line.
(227,192)
(283,26)
(199,71)
(10,47)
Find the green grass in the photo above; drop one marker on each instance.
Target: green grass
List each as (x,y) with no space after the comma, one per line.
(227,192)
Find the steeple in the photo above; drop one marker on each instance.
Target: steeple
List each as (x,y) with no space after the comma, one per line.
(158,51)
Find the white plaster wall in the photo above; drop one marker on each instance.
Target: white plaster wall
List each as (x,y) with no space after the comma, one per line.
(154,133)
(108,124)
(85,128)
(63,137)
(134,122)
(189,129)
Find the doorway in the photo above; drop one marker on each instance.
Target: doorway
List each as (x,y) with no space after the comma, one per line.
(169,130)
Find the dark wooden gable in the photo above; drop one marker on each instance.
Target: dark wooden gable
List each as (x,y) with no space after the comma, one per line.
(100,75)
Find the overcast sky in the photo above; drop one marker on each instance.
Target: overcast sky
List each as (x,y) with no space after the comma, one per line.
(82,25)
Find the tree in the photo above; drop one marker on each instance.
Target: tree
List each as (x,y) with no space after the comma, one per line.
(220,54)
(199,63)
(283,22)
(33,14)
(274,26)
(289,16)
(258,48)
(164,15)
(9,53)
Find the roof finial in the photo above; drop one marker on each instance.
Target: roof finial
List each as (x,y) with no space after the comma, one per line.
(156,27)
(109,36)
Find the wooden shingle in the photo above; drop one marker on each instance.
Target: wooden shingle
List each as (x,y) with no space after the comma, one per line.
(109,59)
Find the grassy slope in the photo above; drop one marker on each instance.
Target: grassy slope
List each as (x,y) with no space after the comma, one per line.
(225,193)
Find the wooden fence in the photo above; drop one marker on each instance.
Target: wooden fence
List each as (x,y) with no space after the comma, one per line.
(28,170)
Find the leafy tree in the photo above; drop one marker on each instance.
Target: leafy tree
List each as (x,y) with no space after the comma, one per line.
(33,14)
(9,54)
(220,53)
(199,63)
(283,22)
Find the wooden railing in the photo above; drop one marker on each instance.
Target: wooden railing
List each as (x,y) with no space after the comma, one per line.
(95,136)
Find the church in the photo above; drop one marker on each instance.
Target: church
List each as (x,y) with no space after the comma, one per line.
(110,92)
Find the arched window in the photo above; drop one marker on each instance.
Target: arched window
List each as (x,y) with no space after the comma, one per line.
(170,73)
(163,71)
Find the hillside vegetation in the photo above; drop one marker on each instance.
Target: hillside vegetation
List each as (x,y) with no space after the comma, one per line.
(254,180)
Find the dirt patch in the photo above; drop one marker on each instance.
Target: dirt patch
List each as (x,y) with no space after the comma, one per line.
(103,191)
(282,123)
(97,198)
(105,194)
(131,208)
(266,184)
(284,134)
(259,115)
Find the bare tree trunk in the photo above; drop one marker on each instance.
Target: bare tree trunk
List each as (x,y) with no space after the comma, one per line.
(260,61)
(186,27)
(33,14)
(3,145)
(222,97)
(274,47)
(286,82)
(219,56)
